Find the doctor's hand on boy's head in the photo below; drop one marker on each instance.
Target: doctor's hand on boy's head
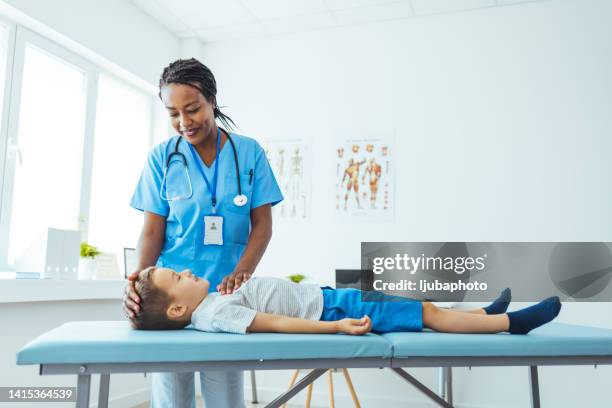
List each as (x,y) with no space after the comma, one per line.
(355,327)
(233,281)
(131,301)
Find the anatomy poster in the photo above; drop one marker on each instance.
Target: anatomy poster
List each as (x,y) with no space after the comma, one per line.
(289,160)
(364,183)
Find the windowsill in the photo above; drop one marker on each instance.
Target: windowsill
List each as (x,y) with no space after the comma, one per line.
(55,290)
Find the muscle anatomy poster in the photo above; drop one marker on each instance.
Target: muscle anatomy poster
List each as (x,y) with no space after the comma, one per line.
(364,177)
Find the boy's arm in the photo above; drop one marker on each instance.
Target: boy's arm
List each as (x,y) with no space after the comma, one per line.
(271,323)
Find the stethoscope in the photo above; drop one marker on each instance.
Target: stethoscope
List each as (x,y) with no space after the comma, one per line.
(239,200)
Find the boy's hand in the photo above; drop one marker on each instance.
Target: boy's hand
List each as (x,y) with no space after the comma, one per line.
(355,326)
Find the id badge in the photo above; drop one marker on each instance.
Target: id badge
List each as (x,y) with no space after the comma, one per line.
(213,230)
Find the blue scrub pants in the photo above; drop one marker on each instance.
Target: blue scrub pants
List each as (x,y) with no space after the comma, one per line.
(220,389)
(388,313)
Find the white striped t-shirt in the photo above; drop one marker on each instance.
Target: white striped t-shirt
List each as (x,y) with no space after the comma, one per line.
(234,313)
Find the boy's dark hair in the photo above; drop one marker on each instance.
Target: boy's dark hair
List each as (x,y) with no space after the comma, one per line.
(153,305)
(193,73)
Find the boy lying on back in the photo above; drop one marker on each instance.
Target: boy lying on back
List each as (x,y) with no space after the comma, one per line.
(173,300)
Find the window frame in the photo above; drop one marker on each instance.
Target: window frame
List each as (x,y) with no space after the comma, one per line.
(6,157)
(19,37)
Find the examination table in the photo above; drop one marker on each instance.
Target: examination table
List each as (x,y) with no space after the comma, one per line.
(86,348)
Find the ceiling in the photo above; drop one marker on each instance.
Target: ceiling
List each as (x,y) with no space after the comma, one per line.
(219,20)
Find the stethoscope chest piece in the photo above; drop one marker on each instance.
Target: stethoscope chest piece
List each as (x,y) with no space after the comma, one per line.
(240,200)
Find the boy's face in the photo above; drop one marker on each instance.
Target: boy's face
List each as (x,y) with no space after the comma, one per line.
(184,287)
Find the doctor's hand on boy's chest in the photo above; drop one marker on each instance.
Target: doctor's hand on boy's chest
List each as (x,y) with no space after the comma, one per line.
(233,281)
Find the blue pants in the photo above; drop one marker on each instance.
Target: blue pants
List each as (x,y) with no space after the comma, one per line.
(220,389)
(388,313)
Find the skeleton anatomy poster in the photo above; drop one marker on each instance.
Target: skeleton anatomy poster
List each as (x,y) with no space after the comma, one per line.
(364,183)
(289,160)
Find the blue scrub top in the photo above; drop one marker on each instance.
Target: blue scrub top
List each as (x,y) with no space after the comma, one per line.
(184,245)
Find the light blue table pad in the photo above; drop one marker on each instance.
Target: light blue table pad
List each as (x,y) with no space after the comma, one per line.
(116,342)
(553,339)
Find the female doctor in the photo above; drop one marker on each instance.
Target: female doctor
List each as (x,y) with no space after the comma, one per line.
(206,195)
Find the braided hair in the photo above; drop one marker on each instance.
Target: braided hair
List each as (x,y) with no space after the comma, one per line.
(192,72)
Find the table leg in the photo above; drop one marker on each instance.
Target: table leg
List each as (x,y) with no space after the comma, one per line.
(442,382)
(449,385)
(103,393)
(535,388)
(83,383)
(303,383)
(253,388)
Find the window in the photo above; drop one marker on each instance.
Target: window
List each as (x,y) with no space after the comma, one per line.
(47,182)
(122,140)
(77,138)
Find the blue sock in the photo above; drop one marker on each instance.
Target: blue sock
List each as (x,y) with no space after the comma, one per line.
(500,305)
(524,320)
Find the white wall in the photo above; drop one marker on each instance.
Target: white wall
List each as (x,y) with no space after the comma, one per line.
(501,117)
(502,120)
(22,322)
